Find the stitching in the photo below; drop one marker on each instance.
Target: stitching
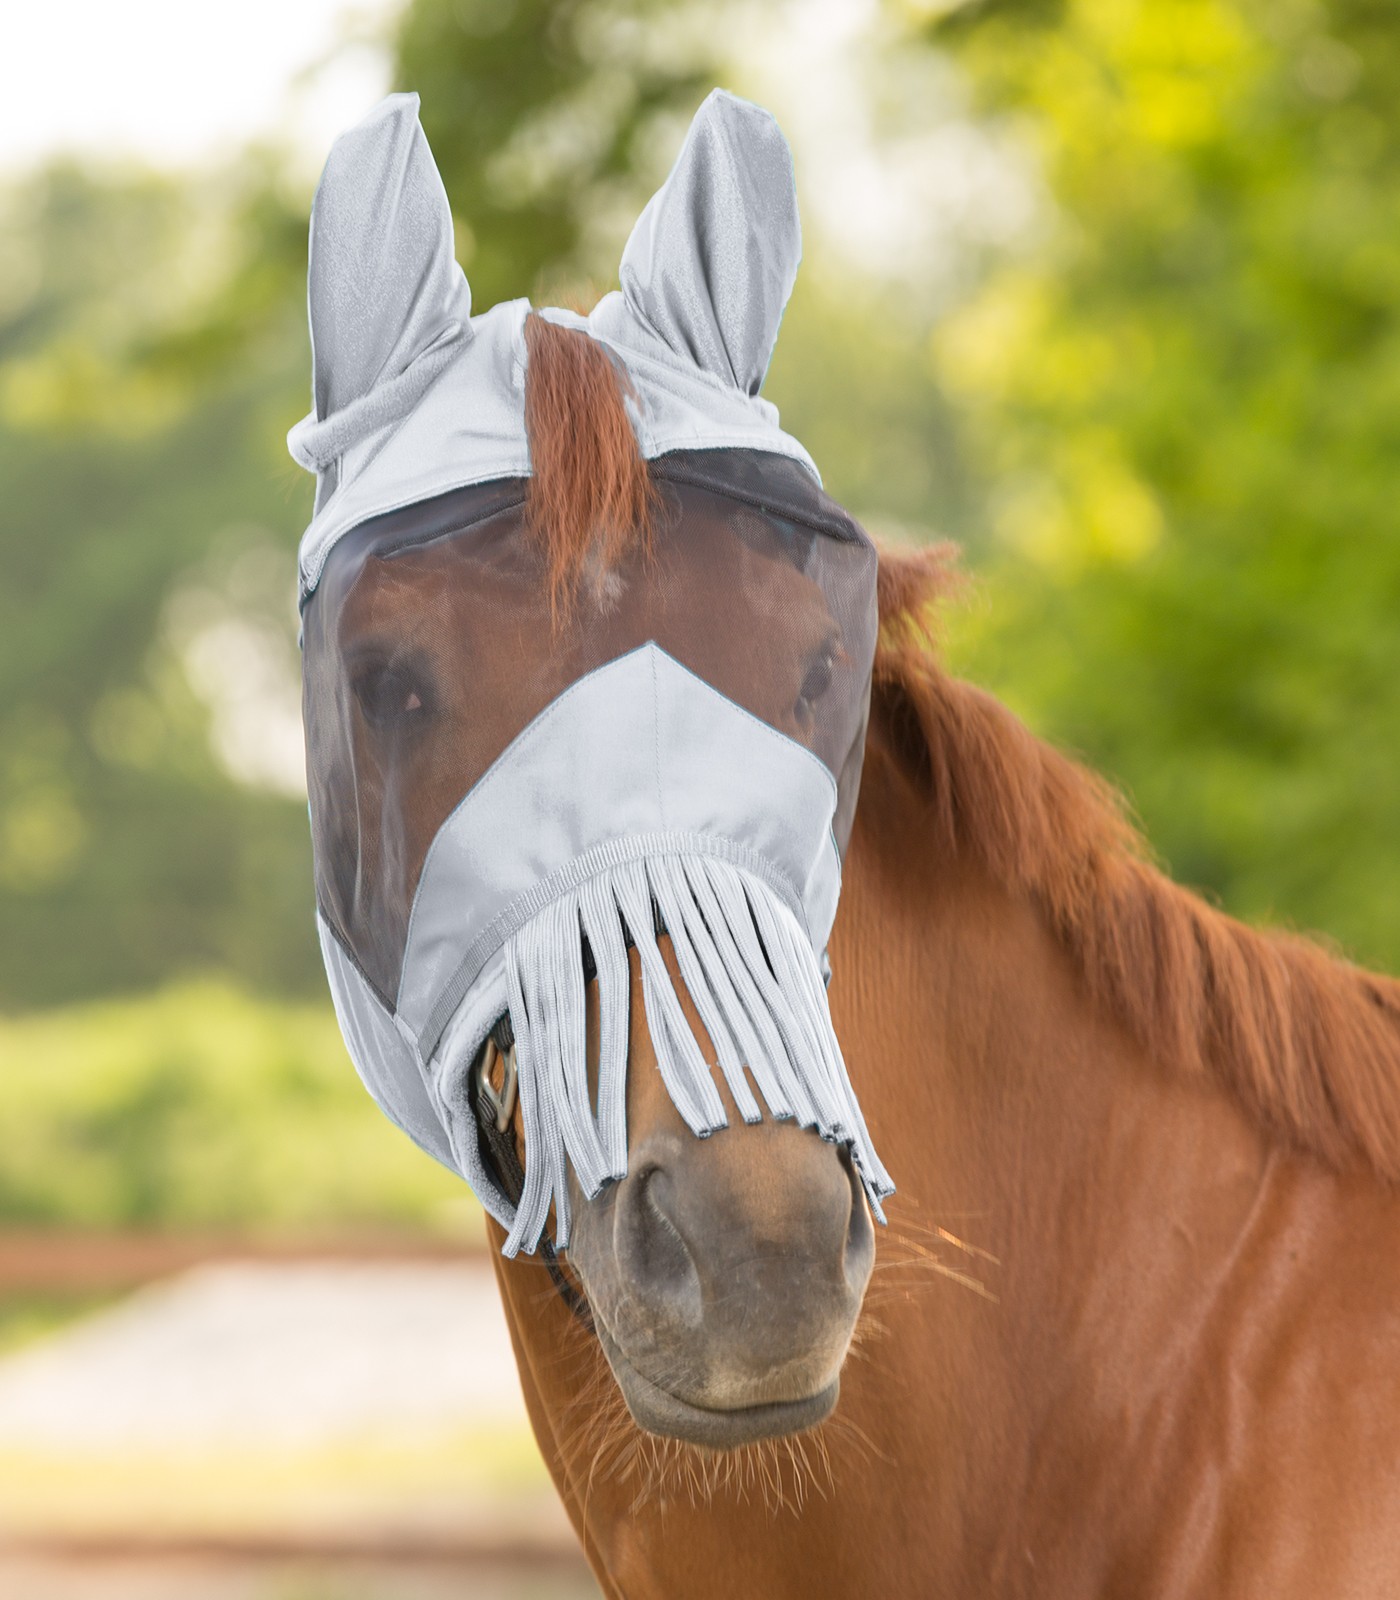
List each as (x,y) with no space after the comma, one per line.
(314,558)
(656,741)
(416,541)
(527,736)
(846,530)
(390,1008)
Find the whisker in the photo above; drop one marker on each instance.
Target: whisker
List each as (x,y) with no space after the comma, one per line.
(922,1259)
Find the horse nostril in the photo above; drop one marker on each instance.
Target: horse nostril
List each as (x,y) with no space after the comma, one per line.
(650,1245)
(859,1255)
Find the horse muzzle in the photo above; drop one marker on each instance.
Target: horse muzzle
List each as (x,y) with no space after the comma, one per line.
(726,1276)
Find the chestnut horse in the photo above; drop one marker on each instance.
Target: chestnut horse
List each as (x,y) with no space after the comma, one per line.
(1130,1332)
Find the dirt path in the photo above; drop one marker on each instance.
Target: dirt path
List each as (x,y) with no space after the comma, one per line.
(270,1354)
(186,1578)
(285,1428)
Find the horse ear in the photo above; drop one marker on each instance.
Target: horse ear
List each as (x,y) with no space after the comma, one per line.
(712,259)
(388,303)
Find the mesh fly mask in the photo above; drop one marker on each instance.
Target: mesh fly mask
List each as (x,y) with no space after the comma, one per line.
(501,805)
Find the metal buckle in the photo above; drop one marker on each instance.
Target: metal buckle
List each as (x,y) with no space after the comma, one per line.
(502,1104)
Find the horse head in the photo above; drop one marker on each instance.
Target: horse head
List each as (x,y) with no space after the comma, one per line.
(587,671)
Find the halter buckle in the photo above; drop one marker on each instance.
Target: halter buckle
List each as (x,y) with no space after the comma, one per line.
(502,1104)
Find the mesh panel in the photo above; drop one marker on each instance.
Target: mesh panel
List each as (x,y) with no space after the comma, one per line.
(429,646)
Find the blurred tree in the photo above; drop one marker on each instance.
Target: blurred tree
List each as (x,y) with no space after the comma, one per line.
(1185,409)
(199,1108)
(551,121)
(129,447)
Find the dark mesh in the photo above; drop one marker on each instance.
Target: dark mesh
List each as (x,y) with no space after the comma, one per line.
(429,646)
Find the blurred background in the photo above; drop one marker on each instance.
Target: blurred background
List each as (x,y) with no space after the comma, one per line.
(1104,290)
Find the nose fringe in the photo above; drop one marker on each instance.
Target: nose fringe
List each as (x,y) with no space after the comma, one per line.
(717,954)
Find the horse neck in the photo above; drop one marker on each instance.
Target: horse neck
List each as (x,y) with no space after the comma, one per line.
(1017,1117)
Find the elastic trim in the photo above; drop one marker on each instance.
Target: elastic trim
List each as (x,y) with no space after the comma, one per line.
(844,529)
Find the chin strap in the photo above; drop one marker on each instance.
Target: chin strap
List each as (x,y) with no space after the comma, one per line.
(494,1112)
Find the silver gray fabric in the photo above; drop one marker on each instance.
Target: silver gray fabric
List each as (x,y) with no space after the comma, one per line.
(388,1065)
(388,304)
(712,292)
(414,397)
(748,966)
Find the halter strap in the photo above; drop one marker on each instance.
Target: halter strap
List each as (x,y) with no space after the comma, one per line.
(498,1151)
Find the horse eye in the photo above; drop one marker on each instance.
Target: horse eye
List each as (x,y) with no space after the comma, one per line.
(820,670)
(389,696)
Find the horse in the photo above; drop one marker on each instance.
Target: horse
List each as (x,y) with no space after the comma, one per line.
(1128,1332)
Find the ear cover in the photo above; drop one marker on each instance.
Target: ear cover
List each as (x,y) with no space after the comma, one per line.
(415,398)
(388,304)
(713,257)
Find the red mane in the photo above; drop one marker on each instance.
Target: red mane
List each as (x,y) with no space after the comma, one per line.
(1308,1043)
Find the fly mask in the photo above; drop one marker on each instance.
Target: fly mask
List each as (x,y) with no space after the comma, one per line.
(502,801)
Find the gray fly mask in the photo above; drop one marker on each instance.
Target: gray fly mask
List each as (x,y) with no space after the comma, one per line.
(500,807)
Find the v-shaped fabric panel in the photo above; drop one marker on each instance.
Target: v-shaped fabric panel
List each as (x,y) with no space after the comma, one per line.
(654,762)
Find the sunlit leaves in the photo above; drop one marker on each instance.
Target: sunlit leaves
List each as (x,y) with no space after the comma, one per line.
(1184,412)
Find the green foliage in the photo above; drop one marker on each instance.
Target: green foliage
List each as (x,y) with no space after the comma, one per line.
(853,380)
(127,456)
(1184,407)
(200,1108)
